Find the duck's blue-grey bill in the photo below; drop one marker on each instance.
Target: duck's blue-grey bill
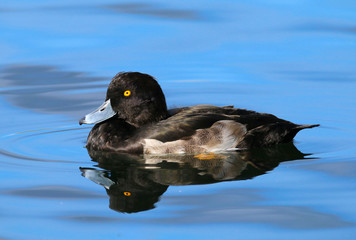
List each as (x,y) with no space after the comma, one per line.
(104,112)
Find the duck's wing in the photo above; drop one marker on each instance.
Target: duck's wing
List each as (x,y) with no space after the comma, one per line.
(188,120)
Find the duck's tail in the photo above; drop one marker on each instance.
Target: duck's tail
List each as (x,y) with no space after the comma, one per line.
(289,137)
(300,127)
(271,134)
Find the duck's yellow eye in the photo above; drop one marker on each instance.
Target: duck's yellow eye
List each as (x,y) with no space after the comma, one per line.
(127,93)
(127,194)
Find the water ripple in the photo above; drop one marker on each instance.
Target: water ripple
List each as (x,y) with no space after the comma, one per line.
(38,145)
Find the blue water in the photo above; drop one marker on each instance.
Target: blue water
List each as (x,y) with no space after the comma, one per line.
(294,59)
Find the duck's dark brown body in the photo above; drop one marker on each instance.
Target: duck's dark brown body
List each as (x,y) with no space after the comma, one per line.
(263,129)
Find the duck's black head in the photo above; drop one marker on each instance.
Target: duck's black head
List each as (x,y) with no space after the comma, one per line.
(134,97)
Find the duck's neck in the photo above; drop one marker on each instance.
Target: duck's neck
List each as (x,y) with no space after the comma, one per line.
(144,120)
(139,117)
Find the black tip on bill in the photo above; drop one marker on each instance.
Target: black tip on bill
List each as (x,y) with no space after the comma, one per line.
(81,121)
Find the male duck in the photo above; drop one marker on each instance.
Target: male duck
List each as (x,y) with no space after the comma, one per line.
(134,119)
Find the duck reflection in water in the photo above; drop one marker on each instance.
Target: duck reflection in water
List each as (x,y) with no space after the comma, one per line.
(135,183)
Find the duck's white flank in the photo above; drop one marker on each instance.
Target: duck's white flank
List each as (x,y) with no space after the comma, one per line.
(223,135)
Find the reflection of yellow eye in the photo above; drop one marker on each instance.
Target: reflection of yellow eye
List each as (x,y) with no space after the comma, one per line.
(127,93)
(127,194)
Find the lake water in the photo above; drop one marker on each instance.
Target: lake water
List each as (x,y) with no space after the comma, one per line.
(294,59)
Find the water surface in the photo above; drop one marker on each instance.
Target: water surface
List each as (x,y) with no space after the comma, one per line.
(293,59)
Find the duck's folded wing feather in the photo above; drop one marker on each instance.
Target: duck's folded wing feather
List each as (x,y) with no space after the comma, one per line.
(186,122)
